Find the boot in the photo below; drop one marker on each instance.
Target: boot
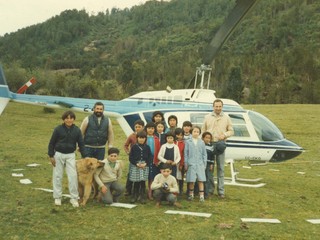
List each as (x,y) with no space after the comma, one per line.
(135,193)
(143,195)
(180,187)
(134,197)
(150,197)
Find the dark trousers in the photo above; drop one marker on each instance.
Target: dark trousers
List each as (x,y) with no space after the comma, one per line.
(161,195)
(129,185)
(97,153)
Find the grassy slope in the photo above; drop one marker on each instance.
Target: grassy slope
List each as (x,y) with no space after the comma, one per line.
(26,213)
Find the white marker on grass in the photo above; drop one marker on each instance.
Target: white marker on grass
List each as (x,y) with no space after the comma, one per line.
(25,181)
(260,220)
(17,175)
(207,215)
(123,205)
(313,221)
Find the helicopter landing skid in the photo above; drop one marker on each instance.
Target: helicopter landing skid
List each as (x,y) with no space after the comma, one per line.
(233,180)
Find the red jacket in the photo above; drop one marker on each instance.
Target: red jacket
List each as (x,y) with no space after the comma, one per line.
(180,145)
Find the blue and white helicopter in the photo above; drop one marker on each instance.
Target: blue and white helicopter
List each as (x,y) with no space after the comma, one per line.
(256,138)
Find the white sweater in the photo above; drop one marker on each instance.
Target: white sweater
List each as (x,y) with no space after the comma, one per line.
(162,151)
(170,180)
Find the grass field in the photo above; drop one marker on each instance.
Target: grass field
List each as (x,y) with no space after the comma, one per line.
(291,197)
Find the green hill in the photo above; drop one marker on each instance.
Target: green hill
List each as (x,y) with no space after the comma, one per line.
(273,54)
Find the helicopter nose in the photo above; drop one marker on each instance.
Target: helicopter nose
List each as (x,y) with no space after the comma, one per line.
(288,151)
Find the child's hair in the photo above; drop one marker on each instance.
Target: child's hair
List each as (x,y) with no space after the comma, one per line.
(170,134)
(68,113)
(113,150)
(205,134)
(162,123)
(157,113)
(186,124)
(174,117)
(165,166)
(149,125)
(178,131)
(139,122)
(197,128)
(141,134)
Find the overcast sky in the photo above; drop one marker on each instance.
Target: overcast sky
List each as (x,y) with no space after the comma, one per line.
(17,14)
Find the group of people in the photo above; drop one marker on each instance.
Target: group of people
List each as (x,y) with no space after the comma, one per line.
(91,138)
(159,156)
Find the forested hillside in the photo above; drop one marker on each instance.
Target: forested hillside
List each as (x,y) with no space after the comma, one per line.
(274,54)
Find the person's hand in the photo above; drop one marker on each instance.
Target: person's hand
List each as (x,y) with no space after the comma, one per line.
(53,161)
(169,162)
(185,168)
(165,187)
(104,189)
(222,137)
(166,190)
(143,165)
(180,167)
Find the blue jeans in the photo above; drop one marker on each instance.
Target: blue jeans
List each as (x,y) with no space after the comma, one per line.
(209,183)
(220,173)
(97,153)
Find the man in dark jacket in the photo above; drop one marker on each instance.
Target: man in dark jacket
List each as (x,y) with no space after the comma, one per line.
(97,131)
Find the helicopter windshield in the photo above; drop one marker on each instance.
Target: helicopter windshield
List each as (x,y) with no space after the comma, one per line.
(264,128)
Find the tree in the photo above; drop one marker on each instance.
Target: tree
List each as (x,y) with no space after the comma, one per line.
(234,85)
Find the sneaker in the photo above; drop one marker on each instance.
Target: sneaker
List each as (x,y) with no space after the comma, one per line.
(191,197)
(74,202)
(201,199)
(221,196)
(57,202)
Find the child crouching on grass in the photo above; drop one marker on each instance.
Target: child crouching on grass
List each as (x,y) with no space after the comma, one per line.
(108,177)
(165,187)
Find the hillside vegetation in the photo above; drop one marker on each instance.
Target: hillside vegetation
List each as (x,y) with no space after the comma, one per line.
(273,54)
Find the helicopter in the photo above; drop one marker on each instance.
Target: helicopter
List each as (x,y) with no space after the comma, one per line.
(255,137)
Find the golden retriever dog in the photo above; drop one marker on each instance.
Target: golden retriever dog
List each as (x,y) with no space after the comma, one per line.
(86,168)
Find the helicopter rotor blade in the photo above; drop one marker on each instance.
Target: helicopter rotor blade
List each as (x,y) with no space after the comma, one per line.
(238,13)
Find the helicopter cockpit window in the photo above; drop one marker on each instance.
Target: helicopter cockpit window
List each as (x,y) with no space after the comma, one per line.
(264,128)
(239,125)
(197,118)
